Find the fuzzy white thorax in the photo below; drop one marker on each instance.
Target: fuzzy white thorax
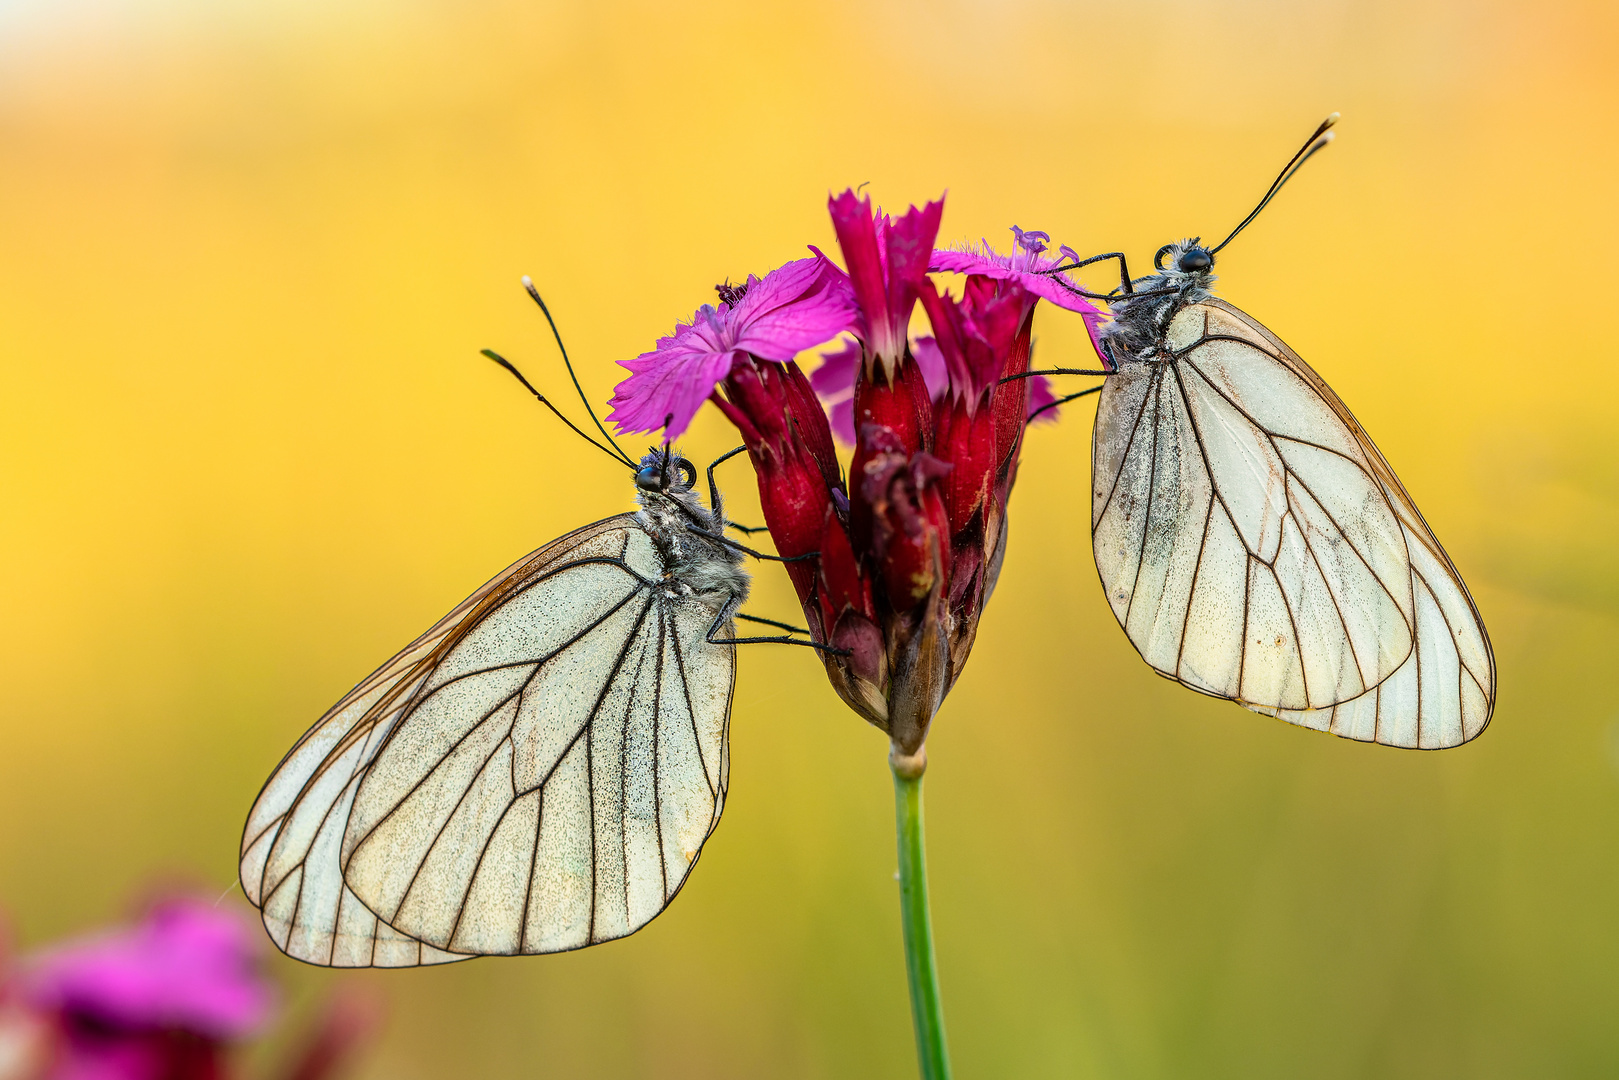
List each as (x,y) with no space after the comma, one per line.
(705,566)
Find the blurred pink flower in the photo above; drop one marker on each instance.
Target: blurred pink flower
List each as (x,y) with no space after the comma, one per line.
(186,966)
(162,1000)
(158,1001)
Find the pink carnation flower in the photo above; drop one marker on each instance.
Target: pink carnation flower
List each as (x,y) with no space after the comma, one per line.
(894,557)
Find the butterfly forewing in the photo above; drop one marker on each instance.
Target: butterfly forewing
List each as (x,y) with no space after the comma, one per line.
(523,778)
(1255,545)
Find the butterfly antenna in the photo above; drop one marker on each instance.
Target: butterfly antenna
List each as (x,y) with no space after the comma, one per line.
(507,364)
(1318,141)
(528,286)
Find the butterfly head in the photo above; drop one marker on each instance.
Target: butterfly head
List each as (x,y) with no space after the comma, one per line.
(1190,261)
(664,472)
(1185,276)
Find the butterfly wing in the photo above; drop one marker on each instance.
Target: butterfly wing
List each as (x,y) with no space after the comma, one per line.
(291,847)
(1444,693)
(289,865)
(1255,545)
(543,795)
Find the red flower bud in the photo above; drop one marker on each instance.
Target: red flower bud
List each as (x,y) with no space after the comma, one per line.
(910,526)
(790,446)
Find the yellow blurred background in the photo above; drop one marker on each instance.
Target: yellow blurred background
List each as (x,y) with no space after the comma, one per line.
(249,251)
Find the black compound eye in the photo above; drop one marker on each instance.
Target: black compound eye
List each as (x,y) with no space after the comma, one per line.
(649,478)
(1194,261)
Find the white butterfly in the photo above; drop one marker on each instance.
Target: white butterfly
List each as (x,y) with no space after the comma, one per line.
(536,773)
(1253,542)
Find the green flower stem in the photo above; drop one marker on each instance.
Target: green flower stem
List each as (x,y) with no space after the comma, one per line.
(927,1014)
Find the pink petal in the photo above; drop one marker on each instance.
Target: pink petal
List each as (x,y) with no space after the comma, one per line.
(857,235)
(792,308)
(1040,396)
(910,250)
(887,259)
(668,385)
(992,264)
(930,362)
(795,307)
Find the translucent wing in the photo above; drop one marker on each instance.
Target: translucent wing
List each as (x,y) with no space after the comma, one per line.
(291,865)
(1255,545)
(547,795)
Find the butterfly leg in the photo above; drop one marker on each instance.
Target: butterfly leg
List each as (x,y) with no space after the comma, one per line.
(1062,401)
(1125,281)
(730,611)
(1124,267)
(713,487)
(732,544)
(714,495)
(789,627)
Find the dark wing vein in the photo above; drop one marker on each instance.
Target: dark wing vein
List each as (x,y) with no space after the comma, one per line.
(483,852)
(1247,591)
(691,711)
(538,665)
(1197,570)
(1096,515)
(1337,608)
(657,734)
(1293,623)
(533,860)
(590,765)
(1202,452)
(1156,390)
